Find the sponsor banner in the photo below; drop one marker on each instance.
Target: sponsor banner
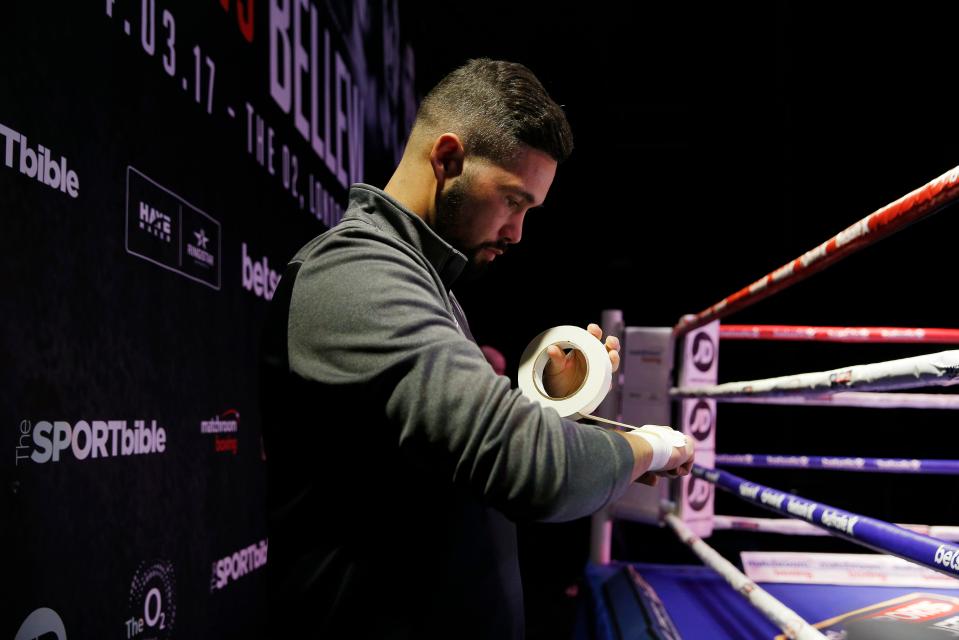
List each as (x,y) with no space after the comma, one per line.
(46,441)
(37,162)
(159,162)
(701,356)
(165,229)
(224,428)
(700,367)
(152,602)
(698,497)
(699,421)
(916,616)
(257,276)
(238,564)
(853,569)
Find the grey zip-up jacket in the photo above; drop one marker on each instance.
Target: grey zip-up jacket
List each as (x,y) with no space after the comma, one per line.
(397,458)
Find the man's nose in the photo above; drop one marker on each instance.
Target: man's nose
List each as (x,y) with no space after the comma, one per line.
(512,231)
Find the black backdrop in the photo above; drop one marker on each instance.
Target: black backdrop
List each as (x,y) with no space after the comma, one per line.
(712,146)
(141,298)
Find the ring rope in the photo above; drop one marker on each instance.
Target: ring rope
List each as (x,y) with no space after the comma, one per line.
(788,526)
(864,399)
(838,463)
(934,369)
(890,335)
(869,532)
(915,205)
(780,615)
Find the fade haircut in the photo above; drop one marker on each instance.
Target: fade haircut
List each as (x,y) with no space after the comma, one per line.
(494,107)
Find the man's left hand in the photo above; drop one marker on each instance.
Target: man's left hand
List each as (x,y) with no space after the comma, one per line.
(565,372)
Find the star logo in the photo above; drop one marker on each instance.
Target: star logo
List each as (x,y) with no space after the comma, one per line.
(201,238)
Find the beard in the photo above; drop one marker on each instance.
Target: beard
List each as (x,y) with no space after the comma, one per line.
(452,226)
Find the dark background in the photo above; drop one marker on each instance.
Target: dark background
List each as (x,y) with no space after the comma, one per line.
(712,146)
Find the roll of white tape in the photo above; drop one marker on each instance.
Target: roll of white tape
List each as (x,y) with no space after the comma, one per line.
(599,371)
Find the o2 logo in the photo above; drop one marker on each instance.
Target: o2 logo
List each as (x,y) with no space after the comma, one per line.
(700,421)
(704,351)
(152,601)
(698,492)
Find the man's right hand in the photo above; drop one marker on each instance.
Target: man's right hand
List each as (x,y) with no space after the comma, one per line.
(679,464)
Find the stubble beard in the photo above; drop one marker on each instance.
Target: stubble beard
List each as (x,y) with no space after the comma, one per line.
(449,223)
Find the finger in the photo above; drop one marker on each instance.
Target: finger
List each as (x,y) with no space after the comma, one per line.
(648,478)
(614,359)
(557,359)
(612,343)
(594,329)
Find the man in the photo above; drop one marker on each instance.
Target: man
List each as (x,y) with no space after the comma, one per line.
(397,458)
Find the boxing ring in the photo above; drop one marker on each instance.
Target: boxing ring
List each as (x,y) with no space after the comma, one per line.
(905,586)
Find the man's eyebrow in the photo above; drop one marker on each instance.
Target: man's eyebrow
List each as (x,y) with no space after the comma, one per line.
(526,195)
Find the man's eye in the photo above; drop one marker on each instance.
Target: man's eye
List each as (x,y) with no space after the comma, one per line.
(512,203)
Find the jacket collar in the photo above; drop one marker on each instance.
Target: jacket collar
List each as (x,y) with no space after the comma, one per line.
(390,216)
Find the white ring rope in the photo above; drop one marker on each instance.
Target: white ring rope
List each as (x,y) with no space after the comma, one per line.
(865,399)
(935,369)
(781,615)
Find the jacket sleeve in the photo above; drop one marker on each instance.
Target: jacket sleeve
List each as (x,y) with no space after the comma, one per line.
(367,313)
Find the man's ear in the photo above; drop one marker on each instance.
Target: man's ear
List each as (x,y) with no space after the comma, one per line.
(446,157)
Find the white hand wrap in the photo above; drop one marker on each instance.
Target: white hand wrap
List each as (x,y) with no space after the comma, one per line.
(662,440)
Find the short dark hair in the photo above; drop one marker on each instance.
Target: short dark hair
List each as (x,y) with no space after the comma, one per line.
(494,106)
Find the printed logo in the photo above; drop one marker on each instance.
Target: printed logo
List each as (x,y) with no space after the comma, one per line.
(40,624)
(842,463)
(39,164)
(152,602)
(224,428)
(45,441)
(238,564)
(772,498)
(900,465)
(155,222)
(840,378)
(748,490)
(165,229)
(258,277)
(947,556)
(788,461)
(919,611)
(700,423)
(841,522)
(801,508)
(198,250)
(698,492)
(704,351)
